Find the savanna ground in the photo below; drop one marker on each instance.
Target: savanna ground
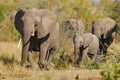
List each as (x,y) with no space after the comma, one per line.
(10,69)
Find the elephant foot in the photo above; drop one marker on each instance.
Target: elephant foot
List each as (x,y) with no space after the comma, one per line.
(75,64)
(47,67)
(101,58)
(23,64)
(43,66)
(29,66)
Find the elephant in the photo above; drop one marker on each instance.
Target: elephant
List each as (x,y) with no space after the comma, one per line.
(105,30)
(87,45)
(39,29)
(75,26)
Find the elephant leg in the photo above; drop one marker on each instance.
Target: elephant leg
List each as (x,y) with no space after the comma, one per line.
(80,54)
(94,57)
(42,55)
(30,60)
(103,50)
(75,55)
(84,55)
(50,57)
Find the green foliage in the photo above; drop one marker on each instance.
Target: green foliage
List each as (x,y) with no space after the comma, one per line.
(43,4)
(5,7)
(94,65)
(61,60)
(116,15)
(112,72)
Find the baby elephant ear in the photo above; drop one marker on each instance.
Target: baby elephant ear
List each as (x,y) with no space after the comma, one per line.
(88,38)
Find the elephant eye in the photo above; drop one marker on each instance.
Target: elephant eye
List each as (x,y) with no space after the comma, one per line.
(80,42)
(36,23)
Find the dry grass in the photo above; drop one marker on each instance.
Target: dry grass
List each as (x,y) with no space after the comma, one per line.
(10,68)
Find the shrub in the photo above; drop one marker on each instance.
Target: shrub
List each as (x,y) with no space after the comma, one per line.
(61,60)
(112,72)
(5,8)
(94,65)
(115,14)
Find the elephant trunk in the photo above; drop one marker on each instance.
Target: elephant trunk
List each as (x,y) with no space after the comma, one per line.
(25,48)
(75,55)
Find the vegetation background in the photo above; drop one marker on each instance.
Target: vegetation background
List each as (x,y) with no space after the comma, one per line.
(83,10)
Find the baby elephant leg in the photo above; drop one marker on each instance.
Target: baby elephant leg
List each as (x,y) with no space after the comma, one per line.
(84,55)
(94,57)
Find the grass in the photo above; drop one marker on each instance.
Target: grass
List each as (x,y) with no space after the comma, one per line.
(10,69)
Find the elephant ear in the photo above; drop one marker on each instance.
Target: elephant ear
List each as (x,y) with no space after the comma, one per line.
(45,26)
(18,21)
(87,39)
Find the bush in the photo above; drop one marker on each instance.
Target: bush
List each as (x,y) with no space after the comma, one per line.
(116,16)
(61,60)
(94,65)
(5,8)
(112,72)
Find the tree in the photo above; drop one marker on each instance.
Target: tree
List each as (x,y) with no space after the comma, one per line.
(116,15)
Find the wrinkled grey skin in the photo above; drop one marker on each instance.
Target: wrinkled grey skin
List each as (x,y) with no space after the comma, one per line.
(75,26)
(39,29)
(105,30)
(87,45)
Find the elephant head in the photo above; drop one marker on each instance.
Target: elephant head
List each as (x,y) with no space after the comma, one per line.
(104,27)
(70,24)
(74,26)
(83,40)
(33,22)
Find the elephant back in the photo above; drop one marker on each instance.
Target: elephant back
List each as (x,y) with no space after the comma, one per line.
(74,26)
(81,27)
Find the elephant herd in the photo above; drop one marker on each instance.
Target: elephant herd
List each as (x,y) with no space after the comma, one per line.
(39,29)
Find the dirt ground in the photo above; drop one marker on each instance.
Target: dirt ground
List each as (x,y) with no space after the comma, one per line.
(54,75)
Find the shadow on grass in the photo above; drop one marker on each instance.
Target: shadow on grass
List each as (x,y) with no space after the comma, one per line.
(8,60)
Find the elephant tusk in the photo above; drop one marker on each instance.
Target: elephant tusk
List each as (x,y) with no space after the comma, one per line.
(19,43)
(32,34)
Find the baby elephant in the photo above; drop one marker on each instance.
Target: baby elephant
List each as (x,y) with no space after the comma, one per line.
(87,45)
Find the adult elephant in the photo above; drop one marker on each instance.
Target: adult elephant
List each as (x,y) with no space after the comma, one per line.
(74,26)
(39,29)
(87,45)
(104,29)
